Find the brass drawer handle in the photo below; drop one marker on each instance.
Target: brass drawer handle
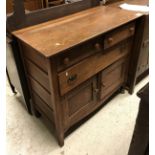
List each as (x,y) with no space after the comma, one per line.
(131,29)
(72,78)
(66,61)
(98,46)
(110,40)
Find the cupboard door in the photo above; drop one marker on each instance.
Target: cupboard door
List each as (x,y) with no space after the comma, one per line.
(79,102)
(113,77)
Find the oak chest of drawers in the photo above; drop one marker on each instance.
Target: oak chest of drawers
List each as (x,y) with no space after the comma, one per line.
(70,78)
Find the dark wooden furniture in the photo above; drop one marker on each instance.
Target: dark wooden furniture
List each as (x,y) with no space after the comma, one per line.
(140,141)
(70,74)
(29,5)
(141,60)
(143,63)
(144,56)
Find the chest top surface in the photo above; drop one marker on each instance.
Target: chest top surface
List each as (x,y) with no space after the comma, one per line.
(55,36)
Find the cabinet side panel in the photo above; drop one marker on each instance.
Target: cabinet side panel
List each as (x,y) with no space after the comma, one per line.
(36,73)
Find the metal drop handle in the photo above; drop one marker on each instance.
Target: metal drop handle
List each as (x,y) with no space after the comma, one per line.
(72,78)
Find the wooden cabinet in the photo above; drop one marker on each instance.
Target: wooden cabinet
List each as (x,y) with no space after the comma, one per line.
(143,63)
(68,87)
(140,55)
(71,74)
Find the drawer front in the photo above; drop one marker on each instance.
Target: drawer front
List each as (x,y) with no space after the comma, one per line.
(143,63)
(113,77)
(119,35)
(80,72)
(76,54)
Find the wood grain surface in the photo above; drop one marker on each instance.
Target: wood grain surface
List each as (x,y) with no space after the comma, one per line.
(52,37)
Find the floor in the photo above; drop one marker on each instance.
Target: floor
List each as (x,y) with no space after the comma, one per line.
(108,132)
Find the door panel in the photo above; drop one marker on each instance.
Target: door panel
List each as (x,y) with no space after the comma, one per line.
(80,101)
(113,77)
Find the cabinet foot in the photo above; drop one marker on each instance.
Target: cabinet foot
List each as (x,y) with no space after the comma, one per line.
(36,112)
(122,90)
(60,138)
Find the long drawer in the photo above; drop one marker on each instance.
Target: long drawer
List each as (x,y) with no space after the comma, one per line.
(80,72)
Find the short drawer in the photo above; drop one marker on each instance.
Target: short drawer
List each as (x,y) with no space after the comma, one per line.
(80,72)
(76,54)
(119,35)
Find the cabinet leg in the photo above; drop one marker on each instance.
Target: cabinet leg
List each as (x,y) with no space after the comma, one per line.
(35,111)
(122,90)
(131,91)
(60,138)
